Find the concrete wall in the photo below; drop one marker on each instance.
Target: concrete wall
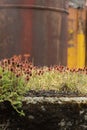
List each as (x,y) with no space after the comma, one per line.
(43,113)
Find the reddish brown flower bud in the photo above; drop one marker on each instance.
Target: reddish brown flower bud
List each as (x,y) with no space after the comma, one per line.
(18,65)
(11,69)
(0,76)
(30,74)
(27,78)
(17,75)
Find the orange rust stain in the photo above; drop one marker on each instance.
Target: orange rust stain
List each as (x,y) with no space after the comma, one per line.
(26,42)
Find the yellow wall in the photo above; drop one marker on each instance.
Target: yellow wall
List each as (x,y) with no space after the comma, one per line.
(76,39)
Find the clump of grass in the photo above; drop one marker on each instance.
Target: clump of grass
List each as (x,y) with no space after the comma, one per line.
(56,79)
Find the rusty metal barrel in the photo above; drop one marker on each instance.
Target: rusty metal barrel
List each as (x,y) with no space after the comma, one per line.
(37,27)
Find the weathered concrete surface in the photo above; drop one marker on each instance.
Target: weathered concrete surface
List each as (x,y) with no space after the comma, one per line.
(46,113)
(54,100)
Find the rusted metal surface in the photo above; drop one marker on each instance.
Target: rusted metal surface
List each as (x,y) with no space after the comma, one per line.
(38,27)
(25,6)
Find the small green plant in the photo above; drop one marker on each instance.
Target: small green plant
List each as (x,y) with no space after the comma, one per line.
(12,89)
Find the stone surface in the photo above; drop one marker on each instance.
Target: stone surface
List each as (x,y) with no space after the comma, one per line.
(46,113)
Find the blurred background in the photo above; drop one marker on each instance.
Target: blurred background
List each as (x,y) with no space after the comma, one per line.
(77,33)
(51,31)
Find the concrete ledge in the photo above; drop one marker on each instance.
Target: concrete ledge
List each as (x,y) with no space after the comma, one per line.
(46,113)
(55,100)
